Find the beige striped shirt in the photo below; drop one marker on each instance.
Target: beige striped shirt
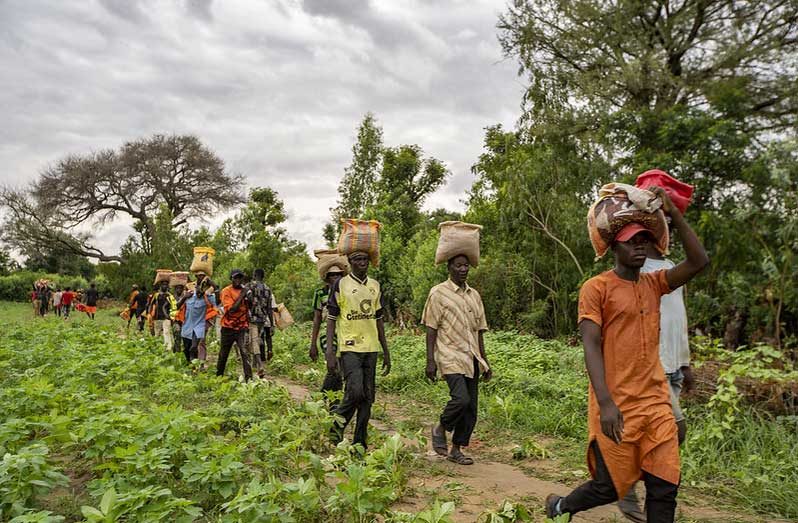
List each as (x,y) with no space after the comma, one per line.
(458,315)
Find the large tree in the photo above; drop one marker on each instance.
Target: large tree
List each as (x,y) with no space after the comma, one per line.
(82,192)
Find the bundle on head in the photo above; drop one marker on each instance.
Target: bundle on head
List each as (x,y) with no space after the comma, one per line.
(360,236)
(178,278)
(329,258)
(620,204)
(162,275)
(458,238)
(203,260)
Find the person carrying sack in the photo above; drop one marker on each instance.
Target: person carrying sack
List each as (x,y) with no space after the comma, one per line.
(355,319)
(163,306)
(632,431)
(455,320)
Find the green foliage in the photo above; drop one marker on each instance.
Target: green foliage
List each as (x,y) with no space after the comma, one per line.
(358,189)
(24,476)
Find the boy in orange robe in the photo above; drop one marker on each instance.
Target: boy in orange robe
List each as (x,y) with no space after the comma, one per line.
(630,421)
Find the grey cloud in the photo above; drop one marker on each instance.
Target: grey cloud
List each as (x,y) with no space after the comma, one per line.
(277,89)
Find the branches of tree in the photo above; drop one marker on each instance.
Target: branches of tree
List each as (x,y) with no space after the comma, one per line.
(177,172)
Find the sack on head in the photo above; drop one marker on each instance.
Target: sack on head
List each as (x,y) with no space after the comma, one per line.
(162,275)
(329,258)
(203,260)
(619,205)
(458,238)
(178,278)
(680,193)
(360,236)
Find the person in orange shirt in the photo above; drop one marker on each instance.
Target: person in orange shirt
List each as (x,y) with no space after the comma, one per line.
(632,431)
(235,324)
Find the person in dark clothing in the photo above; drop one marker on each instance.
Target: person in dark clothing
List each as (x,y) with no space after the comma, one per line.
(332,380)
(354,316)
(138,306)
(235,325)
(90,300)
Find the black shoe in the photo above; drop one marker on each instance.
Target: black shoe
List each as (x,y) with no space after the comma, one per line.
(552,500)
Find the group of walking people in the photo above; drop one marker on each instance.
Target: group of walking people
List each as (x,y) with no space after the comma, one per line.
(46,298)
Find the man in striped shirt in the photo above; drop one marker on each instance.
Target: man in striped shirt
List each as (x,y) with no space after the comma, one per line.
(455,321)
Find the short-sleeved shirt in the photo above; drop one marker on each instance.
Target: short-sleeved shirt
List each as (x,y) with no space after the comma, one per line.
(238,319)
(674,346)
(458,315)
(91,297)
(67,297)
(262,304)
(356,306)
(628,313)
(57,298)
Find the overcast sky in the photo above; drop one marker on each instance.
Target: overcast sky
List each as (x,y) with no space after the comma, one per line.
(276,88)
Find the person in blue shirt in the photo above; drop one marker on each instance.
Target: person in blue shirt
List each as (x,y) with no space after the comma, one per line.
(197,307)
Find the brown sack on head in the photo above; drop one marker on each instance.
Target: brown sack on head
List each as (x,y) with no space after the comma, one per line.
(458,238)
(620,205)
(178,278)
(360,236)
(162,275)
(328,258)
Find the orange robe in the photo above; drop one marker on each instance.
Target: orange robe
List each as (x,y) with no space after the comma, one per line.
(628,314)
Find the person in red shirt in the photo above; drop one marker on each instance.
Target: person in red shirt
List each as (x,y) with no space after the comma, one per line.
(235,324)
(66,301)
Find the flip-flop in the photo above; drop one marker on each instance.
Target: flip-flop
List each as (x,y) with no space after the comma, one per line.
(460,459)
(439,444)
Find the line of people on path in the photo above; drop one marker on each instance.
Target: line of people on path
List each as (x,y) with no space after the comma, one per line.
(240,314)
(46,299)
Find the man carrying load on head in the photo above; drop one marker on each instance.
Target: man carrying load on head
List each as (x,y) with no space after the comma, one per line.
(355,319)
(455,321)
(631,426)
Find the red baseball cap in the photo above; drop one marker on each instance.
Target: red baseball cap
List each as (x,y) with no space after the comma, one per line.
(629,230)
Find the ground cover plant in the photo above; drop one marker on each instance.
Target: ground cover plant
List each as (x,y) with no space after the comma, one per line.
(738,453)
(96,427)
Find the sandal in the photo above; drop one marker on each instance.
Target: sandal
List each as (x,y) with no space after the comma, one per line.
(439,444)
(460,458)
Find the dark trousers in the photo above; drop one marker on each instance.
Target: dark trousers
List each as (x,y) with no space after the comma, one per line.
(460,413)
(660,495)
(191,349)
(360,372)
(228,339)
(265,341)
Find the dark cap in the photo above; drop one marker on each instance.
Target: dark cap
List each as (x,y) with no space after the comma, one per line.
(236,272)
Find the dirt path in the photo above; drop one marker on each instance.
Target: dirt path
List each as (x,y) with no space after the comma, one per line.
(486,484)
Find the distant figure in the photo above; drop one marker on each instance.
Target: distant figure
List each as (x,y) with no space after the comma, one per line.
(161,310)
(44,299)
(332,380)
(57,301)
(66,301)
(90,300)
(34,299)
(261,303)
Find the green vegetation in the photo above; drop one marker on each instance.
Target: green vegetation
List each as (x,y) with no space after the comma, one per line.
(736,451)
(101,428)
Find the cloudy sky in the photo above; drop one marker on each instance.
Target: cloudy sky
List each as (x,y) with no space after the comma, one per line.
(275,87)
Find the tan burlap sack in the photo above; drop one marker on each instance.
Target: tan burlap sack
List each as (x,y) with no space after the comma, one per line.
(203,260)
(282,318)
(328,258)
(162,275)
(458,238)
(178,278)
(360,236)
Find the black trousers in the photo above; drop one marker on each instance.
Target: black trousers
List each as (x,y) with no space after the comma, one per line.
(265,341)
(191,349)
(238,338)
(660,494)
(359,372)
(460,413)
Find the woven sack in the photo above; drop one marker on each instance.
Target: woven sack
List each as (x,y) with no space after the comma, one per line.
(203,260)
(458,238)
(329,258)
(162,275)
(282,318)
(360,236)
(178,278)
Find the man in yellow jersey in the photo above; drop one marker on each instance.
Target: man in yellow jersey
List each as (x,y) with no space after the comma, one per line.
(354,318)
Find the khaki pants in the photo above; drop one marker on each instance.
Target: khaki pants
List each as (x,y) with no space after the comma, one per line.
(254,345)
(165,326)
